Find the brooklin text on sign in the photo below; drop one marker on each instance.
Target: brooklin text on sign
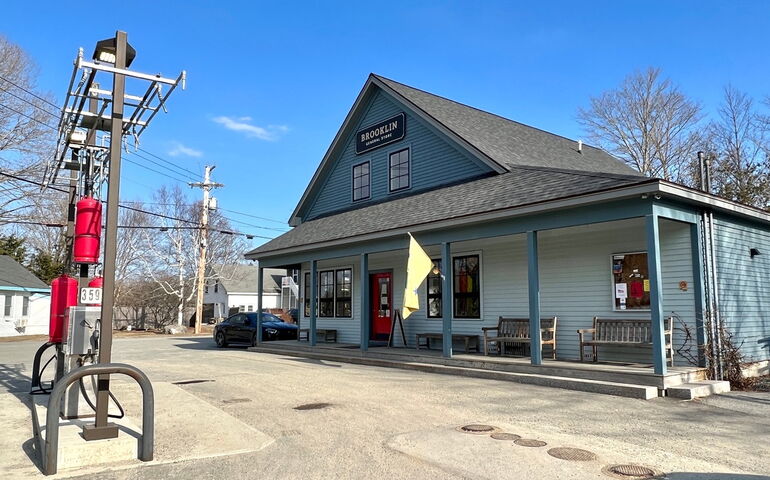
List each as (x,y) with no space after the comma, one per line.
(380,134)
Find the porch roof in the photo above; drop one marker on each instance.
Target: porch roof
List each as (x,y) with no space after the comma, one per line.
(519,187)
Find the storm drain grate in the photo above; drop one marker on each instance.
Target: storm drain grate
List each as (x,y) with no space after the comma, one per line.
(505,436)
(237,400)
(477,428)
(630,471)
(529,442)
(572,454)
(189,382)
(312,406)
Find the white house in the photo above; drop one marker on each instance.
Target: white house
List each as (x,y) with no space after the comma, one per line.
(234,288)
(25,301)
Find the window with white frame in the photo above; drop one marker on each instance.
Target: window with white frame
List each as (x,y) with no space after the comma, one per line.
(8,304)
(466,271)
(25,307)
(361,181)
(630,281)
(398,170)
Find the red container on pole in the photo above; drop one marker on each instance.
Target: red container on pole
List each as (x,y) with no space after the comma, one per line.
(88,230)
(96,282)
(64,294)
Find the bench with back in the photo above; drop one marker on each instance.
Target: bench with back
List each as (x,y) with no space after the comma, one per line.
(515,331)
(624,333)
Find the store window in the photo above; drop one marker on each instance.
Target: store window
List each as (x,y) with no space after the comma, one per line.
(398,168)
(434,291)
(326,294)
(343,293)
(467,287)
(361,181)
(306,294)
(630,281)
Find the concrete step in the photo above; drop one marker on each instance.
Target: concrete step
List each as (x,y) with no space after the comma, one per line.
(644,392)
(702,388)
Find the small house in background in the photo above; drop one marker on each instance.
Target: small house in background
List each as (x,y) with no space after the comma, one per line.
(24,300)
(233,288)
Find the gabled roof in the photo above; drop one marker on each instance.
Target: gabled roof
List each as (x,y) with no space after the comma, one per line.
(14,276)
(243,278)
(521,186)
(496,141)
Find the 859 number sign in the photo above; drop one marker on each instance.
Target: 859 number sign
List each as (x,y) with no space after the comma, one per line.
(90,295)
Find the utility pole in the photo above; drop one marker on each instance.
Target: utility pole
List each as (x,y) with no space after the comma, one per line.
(207,185)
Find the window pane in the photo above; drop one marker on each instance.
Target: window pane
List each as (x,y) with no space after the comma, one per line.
(467,287)
(631,281)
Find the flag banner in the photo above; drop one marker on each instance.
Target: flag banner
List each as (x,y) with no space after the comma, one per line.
(418,266)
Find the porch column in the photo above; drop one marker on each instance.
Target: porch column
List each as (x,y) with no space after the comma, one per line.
(313,300)
(260,287)
(656,301)
(364,269)
(698,290)
(533,279)
(446,298)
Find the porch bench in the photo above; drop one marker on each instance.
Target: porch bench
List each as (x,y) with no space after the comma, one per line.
(624,333)
(329,335)
(516,331)
(471,341)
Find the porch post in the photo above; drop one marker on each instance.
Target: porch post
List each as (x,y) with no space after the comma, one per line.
(313,301)
(656,302)
(260,287)
(364,269)
(698,290)
(533,278)
(446,298)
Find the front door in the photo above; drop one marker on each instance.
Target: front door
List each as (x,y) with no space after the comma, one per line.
(382,305)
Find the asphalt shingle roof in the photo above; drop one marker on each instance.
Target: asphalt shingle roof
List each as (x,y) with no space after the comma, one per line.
(519,187)
(13,274)
(507,142)
(243,278)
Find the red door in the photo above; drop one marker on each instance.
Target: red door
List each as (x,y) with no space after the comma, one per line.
(381,302)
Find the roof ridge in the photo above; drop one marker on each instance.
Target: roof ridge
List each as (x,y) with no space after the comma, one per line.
(486,112)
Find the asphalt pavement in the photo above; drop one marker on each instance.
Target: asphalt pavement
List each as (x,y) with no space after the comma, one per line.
(230,413)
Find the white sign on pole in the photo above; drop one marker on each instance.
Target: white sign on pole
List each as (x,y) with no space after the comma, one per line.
(90,296)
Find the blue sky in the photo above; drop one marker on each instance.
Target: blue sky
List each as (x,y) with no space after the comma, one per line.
(269,83)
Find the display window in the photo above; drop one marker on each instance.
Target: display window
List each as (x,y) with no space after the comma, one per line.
(630,281)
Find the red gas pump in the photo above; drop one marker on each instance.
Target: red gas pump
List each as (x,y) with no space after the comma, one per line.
(64,294)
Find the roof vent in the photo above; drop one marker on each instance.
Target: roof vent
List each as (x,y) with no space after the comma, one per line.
(580,146)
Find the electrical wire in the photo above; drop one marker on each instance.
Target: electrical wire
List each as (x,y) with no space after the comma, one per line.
(29,91)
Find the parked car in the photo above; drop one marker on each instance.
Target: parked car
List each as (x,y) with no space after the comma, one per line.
(242,328)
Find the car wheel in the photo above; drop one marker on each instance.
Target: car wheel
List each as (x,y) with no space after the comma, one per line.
(221,341)
(254,339)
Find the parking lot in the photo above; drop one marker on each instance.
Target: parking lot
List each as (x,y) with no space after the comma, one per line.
(230,413)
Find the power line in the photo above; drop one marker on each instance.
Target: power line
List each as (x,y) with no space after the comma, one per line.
(222,216)
(253,216)
(167,175)
(30,92)
(27,101)
(168,161)
(29,117)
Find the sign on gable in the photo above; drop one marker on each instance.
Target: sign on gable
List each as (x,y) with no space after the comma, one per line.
(380,134)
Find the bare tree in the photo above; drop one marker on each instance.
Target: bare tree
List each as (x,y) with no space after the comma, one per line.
(647,122)
(171,258)
(739,142)
(26,136)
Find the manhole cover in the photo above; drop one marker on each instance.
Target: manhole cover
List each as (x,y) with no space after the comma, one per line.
(573,454)
(529,442)
(630,471)
(312,406)
(505,436)
(188,382)
(477,428)
(237,400)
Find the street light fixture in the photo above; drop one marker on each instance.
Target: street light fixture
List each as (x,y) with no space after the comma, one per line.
(105,52)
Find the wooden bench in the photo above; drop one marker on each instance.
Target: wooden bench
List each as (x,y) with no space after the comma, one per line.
(516,331)
(329,335)
(624,333)
(471,341)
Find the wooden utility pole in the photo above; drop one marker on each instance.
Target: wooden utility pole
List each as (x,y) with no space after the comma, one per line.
(207,185)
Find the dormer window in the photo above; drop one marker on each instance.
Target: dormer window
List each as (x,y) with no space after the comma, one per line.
(398,168)
(361,181)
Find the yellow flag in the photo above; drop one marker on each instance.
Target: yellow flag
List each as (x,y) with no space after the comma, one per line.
(417,268)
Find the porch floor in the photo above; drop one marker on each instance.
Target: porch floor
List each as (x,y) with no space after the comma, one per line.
(629,374)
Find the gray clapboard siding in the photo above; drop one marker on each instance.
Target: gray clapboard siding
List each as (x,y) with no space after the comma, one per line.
(744,284)
(434,162)
(574,275)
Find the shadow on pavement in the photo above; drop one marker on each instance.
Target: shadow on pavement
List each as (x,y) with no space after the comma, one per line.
(207,343)
(712,476)
(312,360)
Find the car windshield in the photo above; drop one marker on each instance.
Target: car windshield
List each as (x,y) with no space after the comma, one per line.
(266,317)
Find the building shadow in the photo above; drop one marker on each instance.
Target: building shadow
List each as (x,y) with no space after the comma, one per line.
(712,476)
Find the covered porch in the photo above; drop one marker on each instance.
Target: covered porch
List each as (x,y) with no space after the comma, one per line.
(528,270)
